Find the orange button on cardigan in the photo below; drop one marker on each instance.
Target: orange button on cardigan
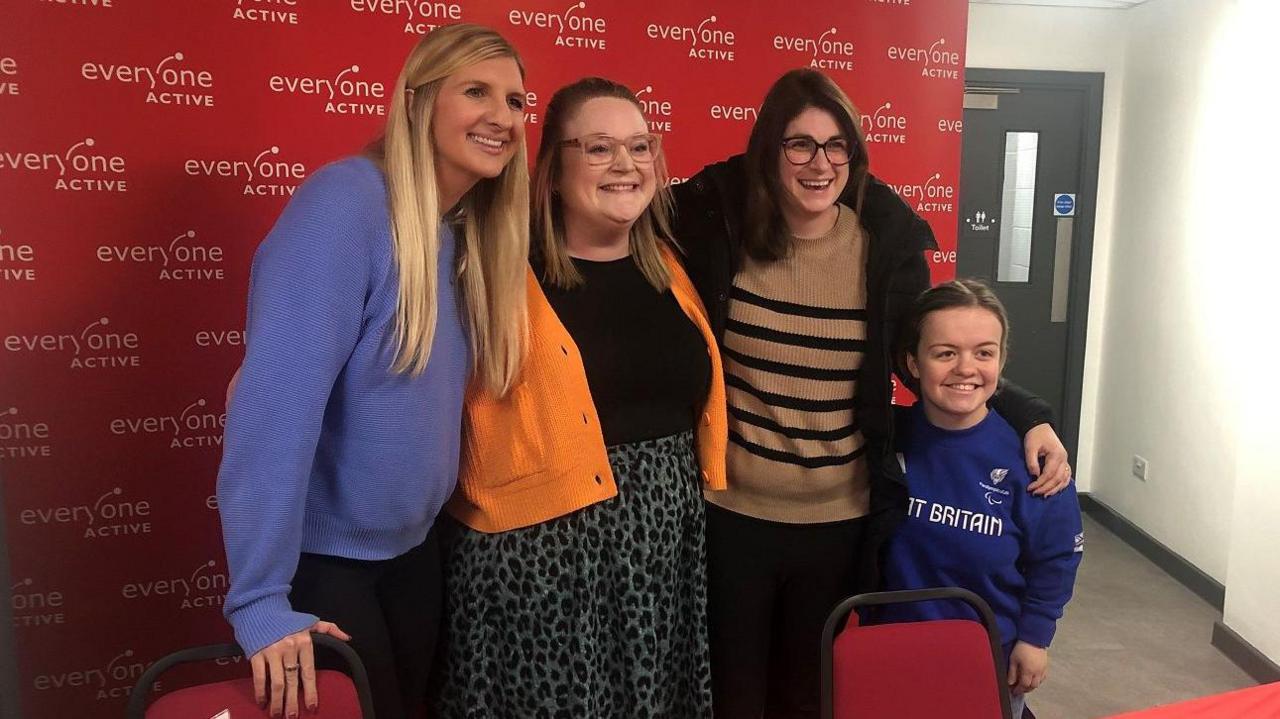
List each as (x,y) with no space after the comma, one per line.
(539,452)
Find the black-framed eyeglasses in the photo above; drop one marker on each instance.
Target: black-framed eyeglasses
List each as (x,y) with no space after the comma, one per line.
(602,149)
(801,150)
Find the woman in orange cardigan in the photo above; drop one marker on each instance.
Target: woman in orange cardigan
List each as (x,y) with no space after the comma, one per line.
(576,579)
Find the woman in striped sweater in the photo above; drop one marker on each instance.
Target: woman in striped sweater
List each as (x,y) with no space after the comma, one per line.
(806,264)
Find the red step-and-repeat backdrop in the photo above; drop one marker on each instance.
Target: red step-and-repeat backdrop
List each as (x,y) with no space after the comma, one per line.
(147,146)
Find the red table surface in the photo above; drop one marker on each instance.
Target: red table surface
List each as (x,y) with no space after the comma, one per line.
(1260,702)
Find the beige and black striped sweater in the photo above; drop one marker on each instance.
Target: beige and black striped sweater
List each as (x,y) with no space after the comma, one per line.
(793,347)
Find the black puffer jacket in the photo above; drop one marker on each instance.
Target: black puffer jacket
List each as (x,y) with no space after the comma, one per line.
(709,214)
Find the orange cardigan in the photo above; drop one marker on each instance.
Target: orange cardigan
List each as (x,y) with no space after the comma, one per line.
(539,452)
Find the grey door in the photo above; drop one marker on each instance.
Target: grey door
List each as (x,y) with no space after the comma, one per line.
(1025,191)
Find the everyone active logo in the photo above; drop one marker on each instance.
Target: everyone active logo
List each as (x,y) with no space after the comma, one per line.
(530,107)
(936,61)
(932,195)
(574,26)
(343,94)
(179,259)
(737,113)
(16,261)
(113,680)
(706,40)
(263,176)
(106,4)
(266,12)
(884,126)
(219,338)
(419,16)
(97,346)
(167,83)
(825,52)
(34,606)
(203,588)
(110,515)
(657,112)
(194,426)
(9,77)
(79,168)
(23,438)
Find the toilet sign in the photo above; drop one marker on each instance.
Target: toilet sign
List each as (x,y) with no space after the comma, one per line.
(1064,205)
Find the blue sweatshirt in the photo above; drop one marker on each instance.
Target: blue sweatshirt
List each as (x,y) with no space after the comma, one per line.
(327,450)
(972,524)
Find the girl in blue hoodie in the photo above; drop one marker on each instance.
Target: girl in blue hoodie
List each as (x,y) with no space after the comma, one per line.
(970,521)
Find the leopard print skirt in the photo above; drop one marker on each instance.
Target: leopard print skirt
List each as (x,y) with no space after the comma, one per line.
(600,613)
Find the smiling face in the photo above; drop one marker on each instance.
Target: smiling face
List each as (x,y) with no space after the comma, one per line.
(477,122)
(608,197)
(809,191)
(958,363)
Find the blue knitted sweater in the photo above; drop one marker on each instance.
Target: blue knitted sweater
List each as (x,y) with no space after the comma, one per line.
(327,450)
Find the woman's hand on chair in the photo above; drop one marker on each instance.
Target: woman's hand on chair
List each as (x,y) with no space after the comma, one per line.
(279,668)
(1028,667)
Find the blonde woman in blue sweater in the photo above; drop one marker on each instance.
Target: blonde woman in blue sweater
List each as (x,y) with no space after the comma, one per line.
(369,312)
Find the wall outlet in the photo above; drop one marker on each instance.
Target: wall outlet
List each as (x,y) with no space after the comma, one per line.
(1140,467)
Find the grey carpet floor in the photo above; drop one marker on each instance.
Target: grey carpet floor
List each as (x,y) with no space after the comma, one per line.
(1132,638)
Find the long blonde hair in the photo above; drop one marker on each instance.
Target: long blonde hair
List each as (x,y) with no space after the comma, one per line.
(650,230)
(494,247)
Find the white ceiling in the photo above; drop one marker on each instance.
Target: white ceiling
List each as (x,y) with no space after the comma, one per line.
(1112,4)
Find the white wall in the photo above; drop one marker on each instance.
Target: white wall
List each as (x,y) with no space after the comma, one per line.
(1242,108)
(1164,391)
(1145,359)
(1183,330)
(1014,37)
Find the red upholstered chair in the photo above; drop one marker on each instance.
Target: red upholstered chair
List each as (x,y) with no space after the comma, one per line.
(341,697)
(949,668)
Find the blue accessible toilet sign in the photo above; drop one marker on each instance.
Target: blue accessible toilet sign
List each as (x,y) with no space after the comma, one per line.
(1064,205)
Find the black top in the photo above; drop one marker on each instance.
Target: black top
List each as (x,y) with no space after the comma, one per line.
(647,364)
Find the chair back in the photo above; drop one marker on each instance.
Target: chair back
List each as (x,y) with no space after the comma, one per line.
(341,696)
(913,670)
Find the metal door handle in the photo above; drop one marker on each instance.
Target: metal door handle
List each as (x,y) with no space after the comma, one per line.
(1061,270)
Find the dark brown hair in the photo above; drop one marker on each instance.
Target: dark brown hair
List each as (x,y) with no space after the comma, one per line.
(949,295)
(767,237)
(547,235)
